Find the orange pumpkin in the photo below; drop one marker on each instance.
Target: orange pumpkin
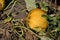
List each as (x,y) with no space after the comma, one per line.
(36,21)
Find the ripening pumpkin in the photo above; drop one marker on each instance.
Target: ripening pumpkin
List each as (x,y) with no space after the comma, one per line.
(2,4)
(36,21)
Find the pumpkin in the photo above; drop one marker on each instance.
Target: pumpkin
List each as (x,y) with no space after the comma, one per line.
(36,21)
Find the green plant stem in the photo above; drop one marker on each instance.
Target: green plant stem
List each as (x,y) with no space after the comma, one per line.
(29,30)
(21,6)
(11,8)
(9,5)
(19,35)
(21,31)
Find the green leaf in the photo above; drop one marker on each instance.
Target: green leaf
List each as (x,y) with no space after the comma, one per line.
(30,4)
(58,28)
(7,19)
(47,16)
(44,6)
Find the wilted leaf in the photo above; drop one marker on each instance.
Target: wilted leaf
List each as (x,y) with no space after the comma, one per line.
(41,33)
(45,38)
(30,4)
(7,19)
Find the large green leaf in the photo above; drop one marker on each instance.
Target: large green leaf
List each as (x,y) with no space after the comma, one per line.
(30,4)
